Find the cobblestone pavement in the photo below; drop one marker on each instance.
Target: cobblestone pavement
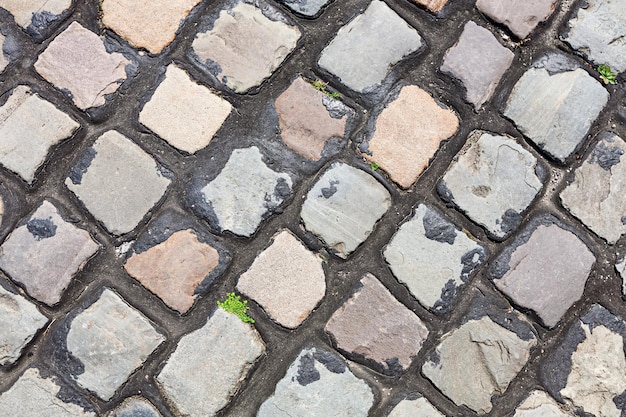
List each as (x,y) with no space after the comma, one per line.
(421,200)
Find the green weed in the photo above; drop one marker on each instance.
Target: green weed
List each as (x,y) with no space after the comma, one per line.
(234,305)
(607,75)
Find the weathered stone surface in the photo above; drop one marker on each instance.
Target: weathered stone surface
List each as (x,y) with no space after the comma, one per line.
(545,269)
(363,51)
(286,279)
(407,134)
(19,321)
(245,45)
(555,111)
(318,383)
(599,31)
(208,365)
(540,404)
(520,17)
(29,127)
(44,253)
(476,361)
(308,8)
(117,181)
(35,13)
(466,61)
(3,59)
(184,113)
(596,195)
(493,180)
(432,5)
(135,407)
(343,207)
(620,266)
(111,340)
(35,396)
(77,61)
(245,192)
(433,258)
(376,326)
(151,25)
(415,408)
(309,118)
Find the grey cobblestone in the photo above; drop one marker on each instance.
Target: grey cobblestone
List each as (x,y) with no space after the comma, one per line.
(419,407)
(520,18)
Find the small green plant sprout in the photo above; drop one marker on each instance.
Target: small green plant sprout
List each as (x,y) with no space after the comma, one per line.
(607,75)
(233,304)
(374,166)
(320,85)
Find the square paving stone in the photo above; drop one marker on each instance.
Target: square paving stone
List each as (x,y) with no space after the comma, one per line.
(343,206)
(556,110)
(77,62)
(318,383)
(544,269)
(407,133)
(540,404)
(596,195)
(135,407)
(246,44)
(418,407)
(433,258)
(29,127)
(363,51)
(151,24)
(286,279)
(588,369)
(432,5)
(36,15)
(479,61)
(376,328)
(308,8)
(520,17)
(45,252)
(209,364)
(110,339)
(493,180)
(117,182)
(599,31)
(184,113)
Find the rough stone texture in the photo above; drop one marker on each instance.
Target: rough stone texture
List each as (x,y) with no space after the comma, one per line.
(3,59)
(545,272)
(493,180)
(245,46)
(35,12)
(151,25)
(599,31)
(520,17)
(245,192)
(374,325)
(35,396)
(309,8)
(117,181)
(43,254)
(432,5)
(433,258)
(111,340)
(29,127)
(209,364)
(343,206)
(466,62)
(308,119)
(363,51)
(620,266)
(184,113)
(540,404)
(318,383)
(407,134)
(174,268)
(476,361)
(19,321)
(77,61)
(415,408)
(135,407)
(286,279)
(555,111)
(596,196)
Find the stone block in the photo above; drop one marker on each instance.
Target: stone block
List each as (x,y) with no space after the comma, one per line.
(540,404)
(308,8)
(36,15)
(419,407)
(135,407)
(432,5)
(520,17)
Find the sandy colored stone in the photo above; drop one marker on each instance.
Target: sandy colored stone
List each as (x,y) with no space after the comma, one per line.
(77,61)
(286,279)
(184,113)
(26,12)
(415,408)
(408,133)
(432,5)
(3,60)
(174,268)
(521,17)
(540,404)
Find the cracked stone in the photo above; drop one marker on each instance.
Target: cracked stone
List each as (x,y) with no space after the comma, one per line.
(209,364)
(309,8)
(415,408)
(287,291)
(76,61)
(407,134)
(135,407)
(555,111)
(343,207)
(4,61)
(540,404)
(433,258)
(432,5)
(520,17)
(493,180)
(318,383)
(35,14)
(44,254)
(245,46)
(363,51)
(29,127)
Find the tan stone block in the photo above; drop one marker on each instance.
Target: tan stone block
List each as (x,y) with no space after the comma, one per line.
(432,5)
